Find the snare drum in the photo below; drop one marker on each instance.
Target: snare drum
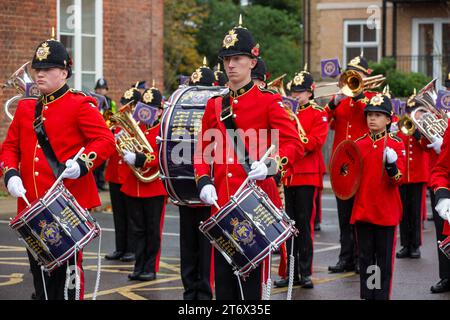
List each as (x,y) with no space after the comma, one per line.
(180,125)
(444,246)
(55,227)
(248,228)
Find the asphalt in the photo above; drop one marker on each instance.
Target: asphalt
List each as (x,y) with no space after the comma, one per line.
(412,278)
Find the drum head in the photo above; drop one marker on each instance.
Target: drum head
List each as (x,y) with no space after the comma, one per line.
(346,170)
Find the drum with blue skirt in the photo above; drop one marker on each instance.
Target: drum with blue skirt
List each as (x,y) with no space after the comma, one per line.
(248,228)
(55,227)
(180,124)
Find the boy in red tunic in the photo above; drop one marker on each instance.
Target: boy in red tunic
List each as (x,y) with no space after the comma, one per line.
(376,217)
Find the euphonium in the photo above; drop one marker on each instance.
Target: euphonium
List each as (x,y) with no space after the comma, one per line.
(23,83)
(132,139)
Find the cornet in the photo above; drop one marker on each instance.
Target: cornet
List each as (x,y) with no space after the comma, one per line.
(23,83)
(352,84)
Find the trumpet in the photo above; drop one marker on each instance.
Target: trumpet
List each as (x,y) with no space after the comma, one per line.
(352,84)
(24,85)
(132,139)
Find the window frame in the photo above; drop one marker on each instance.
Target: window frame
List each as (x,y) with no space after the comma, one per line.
(363,44)
(78,35)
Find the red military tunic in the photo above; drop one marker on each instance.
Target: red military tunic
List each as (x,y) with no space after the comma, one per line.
(440,175)
(348,119)
(132,186)
(417,157)
(310,169)
(377,200)
(71,121)
(116,170)
(257,112)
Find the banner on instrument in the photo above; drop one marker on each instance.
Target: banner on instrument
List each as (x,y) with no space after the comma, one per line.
(145,113)
(291,103)
(443,100)
(330,68)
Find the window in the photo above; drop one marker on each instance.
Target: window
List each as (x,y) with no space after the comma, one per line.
(80,29)
(358,37)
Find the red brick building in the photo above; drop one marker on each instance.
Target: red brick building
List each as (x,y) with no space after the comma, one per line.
(116,39)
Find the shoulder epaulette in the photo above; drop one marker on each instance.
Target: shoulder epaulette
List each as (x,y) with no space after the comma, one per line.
(360,138)
(262,89)
(316,106)
(78,92)
(393,136)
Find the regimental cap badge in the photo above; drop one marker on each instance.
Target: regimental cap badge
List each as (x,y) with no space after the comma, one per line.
(196,76)
(129,93)
(230,39)
(355,62)
(377,100)
(43,52)
(448,78)
(148,96)
(411,102)
(298,79)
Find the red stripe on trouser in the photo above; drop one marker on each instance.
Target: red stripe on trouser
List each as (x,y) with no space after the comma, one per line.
(282,268)
(392,262)
(161,225)
(319,202)
(311,223)
(80,273)
(211,271)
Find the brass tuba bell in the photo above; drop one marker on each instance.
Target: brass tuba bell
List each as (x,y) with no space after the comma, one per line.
(23,83)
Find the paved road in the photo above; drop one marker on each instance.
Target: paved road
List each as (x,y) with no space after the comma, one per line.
(412,278)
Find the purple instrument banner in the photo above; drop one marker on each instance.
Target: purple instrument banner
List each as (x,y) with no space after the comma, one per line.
(330,68)
(145,113)
(291,103)
(443,100)
(32,90)
(184,80)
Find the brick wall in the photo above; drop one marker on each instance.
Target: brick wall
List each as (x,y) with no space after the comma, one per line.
(132,40)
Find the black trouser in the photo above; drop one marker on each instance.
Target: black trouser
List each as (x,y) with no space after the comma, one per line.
(226,283)
(444,262)
(122,219)
(99,175)
(411,223)
(56,280)
(146,217)
(348,253)
(376,260)
(300,206)
(195,254)
(318,217)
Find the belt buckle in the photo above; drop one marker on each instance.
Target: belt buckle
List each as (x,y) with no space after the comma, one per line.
(230,113)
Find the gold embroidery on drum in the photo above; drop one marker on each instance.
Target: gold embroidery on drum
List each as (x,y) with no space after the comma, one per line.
(70,218)
(263,215)
(34,245)
(227,246)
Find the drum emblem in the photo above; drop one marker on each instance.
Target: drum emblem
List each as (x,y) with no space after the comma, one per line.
(50,233)
(242,231)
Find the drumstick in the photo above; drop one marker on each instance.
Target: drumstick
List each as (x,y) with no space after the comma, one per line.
(216,205)
(61,175)
(24,197)
(264,157)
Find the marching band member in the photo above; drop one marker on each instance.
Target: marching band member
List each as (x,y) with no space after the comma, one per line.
(259,74)
(32,160)
(376,218)
(346,116)
(220,77)
(146,200)
(415,177)
(302,187)
(440,182)
(195,249)
(250,109)
(117,171)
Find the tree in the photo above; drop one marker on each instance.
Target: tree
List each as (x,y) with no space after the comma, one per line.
(277,31)
(182,21)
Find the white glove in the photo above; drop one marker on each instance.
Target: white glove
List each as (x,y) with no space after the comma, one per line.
(443,208)
(390,155)
(15,187)
(208,194)
(129,158)
(72,170)
(338,98)
(259,171)
(436,144)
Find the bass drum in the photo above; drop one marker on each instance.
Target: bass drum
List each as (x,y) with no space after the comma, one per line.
(180,124)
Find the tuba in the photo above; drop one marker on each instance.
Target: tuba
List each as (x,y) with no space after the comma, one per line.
(132,139)
(426,118)
(23,83)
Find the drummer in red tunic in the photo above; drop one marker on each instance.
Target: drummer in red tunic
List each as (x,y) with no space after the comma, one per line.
(376,217)
(257,113)
(66,120)
(146,201)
